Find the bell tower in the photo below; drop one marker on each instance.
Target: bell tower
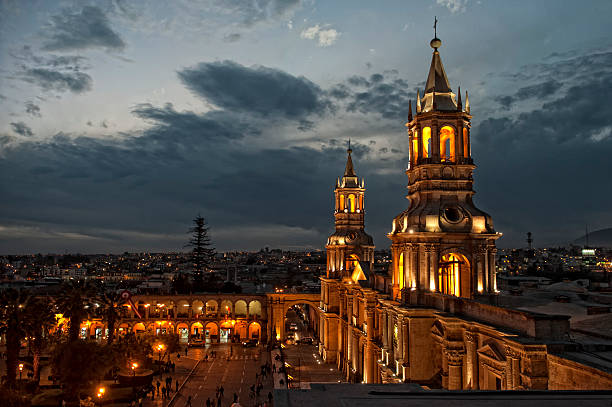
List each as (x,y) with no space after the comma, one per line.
(442,243)
(349,243)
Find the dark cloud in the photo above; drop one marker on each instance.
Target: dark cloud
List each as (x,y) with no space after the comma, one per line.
(537,91)
(384,95)
(255,90)
(553,174)
(47,79)
(22,129)
(232,37)
(52,72)
(77,30)
(32,109)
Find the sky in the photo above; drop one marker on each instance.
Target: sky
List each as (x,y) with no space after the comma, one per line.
(120,121)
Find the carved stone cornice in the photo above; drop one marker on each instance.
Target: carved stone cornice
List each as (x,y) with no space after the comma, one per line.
(454,356)
(512,353)
(471,337)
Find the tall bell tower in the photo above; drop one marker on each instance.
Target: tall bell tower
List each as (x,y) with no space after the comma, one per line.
(442,243)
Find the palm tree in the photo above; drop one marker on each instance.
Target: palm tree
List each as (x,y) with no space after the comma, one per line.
(73,303)
(111,311)
(12,323)
(39,319)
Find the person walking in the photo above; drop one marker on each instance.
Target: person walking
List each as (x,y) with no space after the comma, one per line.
(270,397)
(208,402)
(158,384)
(188,404)
(221,390)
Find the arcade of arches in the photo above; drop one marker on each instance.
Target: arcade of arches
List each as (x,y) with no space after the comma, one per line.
(214,319)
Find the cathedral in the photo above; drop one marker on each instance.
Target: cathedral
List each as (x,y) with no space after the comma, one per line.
(433,319)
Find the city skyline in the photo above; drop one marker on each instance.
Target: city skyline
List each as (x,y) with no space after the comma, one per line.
(123,121)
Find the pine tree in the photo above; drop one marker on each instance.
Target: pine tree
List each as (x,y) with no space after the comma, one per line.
(202,252)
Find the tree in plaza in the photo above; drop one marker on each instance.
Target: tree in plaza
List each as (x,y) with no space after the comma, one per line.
(40,319)
(74,302)
(80,364)
(111,311)
(13,305)
(201,252)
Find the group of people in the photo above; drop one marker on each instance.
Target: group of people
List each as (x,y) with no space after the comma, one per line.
(164,390)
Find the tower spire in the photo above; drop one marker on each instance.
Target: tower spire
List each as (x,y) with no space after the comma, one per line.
(467,103)
(418,106)
(349,170)
(410,110)
(459,104)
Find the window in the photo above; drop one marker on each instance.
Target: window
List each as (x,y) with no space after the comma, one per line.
(427,142)
(351,203)
(401,271)
(447,144)
(466,147)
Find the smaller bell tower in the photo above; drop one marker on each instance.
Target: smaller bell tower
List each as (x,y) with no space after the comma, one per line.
(349,243)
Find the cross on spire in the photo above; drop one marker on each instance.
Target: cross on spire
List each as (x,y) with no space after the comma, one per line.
(435,27)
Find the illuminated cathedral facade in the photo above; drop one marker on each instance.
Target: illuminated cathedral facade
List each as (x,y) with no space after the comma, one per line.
(433,318)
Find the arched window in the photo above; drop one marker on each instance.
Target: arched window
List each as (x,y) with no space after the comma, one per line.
(414,151)
(466,147)
(351,203)
(454,275)
(361,202)
(400,267)
(341,203)
(447,144)
(426,142)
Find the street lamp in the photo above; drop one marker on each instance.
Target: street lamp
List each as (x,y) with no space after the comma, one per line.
(134,366)
(20,371)
(160,348)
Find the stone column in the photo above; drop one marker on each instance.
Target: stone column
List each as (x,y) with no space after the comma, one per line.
(435,253)
(385,332)
(455,363)
(407,251)
(512,369)
(435,141)
(349,332)
(405,346)
(369,356)
(414,266)
(340,319)
(390,338)
(471,360)
(395,271)
(492,275)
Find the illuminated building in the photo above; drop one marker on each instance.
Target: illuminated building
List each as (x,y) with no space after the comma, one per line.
(434,318)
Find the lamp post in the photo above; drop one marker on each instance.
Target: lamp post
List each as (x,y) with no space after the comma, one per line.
(134,366)
(101,391)
(20,372)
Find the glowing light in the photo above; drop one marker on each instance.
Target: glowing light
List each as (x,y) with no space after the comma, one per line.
(21,367)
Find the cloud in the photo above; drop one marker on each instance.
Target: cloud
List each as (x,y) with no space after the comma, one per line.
(52,72)
(254,90)
(382,94)
(22,129)
(32,109)
(233,37)
(78,30)
(454,6)
(75,82)
(257,11)
(539,91)
(325,37)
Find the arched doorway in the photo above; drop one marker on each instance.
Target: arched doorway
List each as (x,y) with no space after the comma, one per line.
(211,332)
(226,331)
(183,332)
(254,330)
(241,330)
(139,328)
(454,275)
(197,329)
(240,309)
(123,329)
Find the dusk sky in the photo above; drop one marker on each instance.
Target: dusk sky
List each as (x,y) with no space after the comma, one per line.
(120,121)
